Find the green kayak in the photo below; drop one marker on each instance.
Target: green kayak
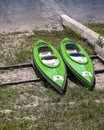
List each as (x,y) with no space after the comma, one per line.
(50,65)
(78,61)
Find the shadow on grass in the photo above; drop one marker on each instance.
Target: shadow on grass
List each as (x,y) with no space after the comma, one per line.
(3,86)
(74,79)
(49,86)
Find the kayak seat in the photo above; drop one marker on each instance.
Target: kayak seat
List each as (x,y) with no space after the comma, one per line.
(45,51)
(50,61)
(78,57)
(42,54)
(47,56)
(72,48)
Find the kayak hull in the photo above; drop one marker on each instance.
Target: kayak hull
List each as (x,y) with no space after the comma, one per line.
(50,65)
(78,61)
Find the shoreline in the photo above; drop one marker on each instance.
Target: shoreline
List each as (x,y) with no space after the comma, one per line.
(30,26)
(58,27)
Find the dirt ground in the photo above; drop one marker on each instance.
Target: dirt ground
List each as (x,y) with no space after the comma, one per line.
(23,74)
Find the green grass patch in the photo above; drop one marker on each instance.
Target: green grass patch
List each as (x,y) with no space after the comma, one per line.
(34,107)
(77,109)
(97,27)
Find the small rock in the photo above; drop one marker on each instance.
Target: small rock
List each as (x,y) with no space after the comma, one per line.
(6,111)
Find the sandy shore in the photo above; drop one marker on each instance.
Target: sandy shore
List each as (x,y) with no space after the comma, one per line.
(30,25)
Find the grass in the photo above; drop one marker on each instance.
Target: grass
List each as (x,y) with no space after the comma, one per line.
(77,109)
(19,47)
(36,107)
(98,27)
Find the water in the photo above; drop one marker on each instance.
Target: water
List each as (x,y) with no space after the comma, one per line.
(40,14)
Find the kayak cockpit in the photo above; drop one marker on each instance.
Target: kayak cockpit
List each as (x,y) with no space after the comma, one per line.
(78,57)
(71,48)
(50,61)
(47,56)
(75,53)
(44,51)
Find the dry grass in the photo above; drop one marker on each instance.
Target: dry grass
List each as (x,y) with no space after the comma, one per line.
(36,107)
